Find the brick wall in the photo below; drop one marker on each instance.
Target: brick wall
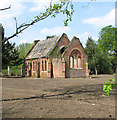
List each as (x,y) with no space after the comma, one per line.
(49,69)
(74,72)
(43,68)
(58,68)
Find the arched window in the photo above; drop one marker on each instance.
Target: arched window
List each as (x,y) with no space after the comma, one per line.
(79,62)
(45,65)
(75,59)
(42,66)
(34,66)
(71,62)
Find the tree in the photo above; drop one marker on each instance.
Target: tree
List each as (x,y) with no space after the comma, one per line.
(23,49)
(90,50)
(5,8)
(107,43)
(1,32)
(98,61)
(10,55)
(64,7)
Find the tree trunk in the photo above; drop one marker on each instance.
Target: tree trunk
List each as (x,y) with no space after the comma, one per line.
(96,71)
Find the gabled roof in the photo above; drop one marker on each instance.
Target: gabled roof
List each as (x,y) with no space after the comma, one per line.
(75,39)
(42,48)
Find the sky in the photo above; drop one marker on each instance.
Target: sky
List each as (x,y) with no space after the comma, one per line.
(87,20)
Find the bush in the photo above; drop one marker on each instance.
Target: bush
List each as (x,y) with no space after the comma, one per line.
(14,72)
(4,72)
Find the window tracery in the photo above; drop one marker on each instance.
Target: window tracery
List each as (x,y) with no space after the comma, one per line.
(75,59)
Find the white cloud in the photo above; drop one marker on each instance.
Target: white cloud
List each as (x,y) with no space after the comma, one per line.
(108,19)
(6,17)
(55,31)
(84,37)
(16,9)
(41,4)
(23,41)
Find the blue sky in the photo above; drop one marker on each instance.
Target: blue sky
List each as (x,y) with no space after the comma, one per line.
(86,21)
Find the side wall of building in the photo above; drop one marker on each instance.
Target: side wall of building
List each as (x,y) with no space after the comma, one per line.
(38,68)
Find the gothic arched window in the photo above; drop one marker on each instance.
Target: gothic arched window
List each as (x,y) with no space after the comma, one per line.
(71,62)
(79,62)
(75,59)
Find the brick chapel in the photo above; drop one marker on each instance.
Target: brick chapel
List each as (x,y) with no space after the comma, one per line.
(57,57)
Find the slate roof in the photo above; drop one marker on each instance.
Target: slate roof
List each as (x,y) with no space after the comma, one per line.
(42,48)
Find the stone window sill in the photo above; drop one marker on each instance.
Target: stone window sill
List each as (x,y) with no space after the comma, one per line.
(76,68)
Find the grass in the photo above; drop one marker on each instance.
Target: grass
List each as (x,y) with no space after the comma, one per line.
(14,72)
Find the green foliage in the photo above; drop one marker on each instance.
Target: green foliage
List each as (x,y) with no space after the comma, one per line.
(107,39)
(10,55)
(14,56)
(98,61)
(23,49)
(64,7)
(15,71)
(4,72)
(107,43)
(109,86)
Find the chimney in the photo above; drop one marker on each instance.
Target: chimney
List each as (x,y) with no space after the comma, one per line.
(36,41)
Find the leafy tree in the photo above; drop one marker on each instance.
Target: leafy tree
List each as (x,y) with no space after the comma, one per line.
(10,55)
(103,63)
(91,49)
(23,49)
(98,61)
(107,43)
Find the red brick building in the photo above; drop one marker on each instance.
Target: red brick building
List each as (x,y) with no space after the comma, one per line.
(57,57)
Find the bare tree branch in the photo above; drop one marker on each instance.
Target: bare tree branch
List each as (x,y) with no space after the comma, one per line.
(5,8)
(51,11)
(23,27)
(16,24)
